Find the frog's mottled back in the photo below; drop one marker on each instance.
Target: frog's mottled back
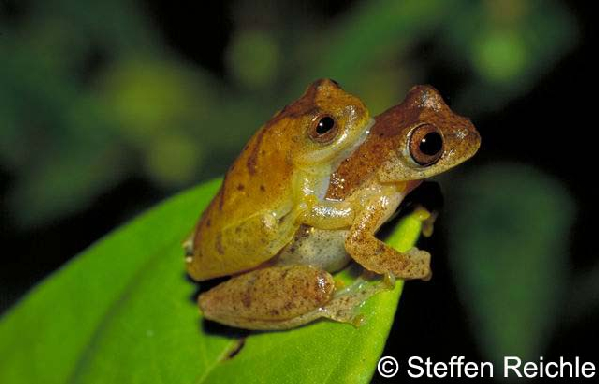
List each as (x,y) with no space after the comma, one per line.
(253,215)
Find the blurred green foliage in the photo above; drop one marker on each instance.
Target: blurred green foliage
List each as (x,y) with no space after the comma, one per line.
(85,102)
(514,265)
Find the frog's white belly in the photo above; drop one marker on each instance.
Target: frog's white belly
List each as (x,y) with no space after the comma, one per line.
(317,247)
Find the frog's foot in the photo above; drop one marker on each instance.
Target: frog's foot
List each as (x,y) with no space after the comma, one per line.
(418,264)
(345,305)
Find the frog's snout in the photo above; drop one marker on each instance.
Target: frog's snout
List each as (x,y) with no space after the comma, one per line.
(463,140)
(472,139)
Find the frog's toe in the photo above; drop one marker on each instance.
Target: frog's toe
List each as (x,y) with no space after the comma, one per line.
(429,276)
(187,246)
(428,225)
(388,281)
(357,320)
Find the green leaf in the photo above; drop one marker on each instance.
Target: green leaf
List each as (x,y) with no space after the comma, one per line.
(123,311)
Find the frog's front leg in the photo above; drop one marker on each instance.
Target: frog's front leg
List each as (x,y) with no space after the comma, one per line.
(311,208)
(283,297)
(327,214)
(377,256)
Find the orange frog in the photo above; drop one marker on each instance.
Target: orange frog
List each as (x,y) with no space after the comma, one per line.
(276,182)
(284,275)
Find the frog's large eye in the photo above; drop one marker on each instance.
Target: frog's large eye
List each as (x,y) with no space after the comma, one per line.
(323,129)
(426,144)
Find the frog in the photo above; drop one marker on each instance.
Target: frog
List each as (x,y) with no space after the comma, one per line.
(414,140)
(277,180)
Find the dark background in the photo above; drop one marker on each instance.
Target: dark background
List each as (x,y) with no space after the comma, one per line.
(523,71)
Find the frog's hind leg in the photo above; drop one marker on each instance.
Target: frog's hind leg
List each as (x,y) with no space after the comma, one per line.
(268,298)
(283,297)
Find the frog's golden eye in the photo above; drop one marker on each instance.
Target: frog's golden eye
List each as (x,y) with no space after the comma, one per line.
(324,129)
(426,144)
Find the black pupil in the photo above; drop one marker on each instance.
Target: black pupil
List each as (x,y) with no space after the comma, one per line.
(324,125)
(431,144)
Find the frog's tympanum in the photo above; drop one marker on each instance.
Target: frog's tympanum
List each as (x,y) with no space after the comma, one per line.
(308,194)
